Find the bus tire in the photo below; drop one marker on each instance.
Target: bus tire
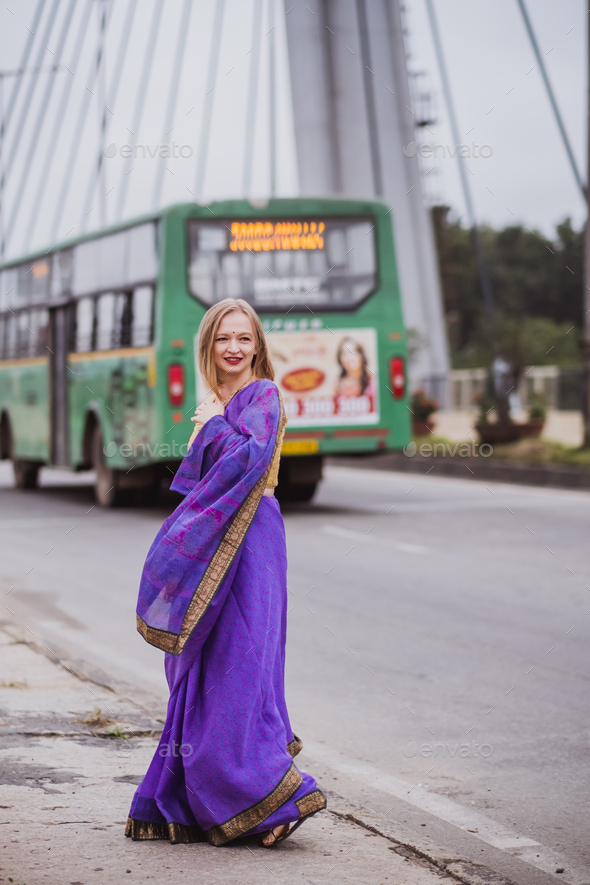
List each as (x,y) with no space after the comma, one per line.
(301,493)
(5,437)
(299,478)
(106,486)
(26,474)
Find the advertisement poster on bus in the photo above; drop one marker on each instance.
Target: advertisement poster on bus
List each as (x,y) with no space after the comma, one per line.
(326,378)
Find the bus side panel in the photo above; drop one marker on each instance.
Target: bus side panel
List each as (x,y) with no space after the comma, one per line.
(24,398)
(118,387)
(179,318)
(392,337)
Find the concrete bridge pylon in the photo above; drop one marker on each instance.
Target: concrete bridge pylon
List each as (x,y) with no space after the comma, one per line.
(353,117)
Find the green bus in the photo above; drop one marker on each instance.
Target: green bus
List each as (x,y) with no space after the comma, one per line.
(97,338)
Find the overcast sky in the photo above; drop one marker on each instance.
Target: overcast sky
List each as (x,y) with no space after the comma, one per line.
(500,101)
(498,94)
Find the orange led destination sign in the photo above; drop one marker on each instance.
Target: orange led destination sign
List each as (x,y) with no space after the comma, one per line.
(264,236)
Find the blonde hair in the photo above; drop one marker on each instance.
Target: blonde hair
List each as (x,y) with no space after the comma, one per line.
(261,364)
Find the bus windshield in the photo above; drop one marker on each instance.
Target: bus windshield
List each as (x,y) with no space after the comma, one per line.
(319,263)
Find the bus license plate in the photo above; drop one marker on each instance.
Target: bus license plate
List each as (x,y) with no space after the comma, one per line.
(300,447)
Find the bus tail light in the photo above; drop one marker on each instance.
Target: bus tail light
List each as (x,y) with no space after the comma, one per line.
(176,384)
(397,377)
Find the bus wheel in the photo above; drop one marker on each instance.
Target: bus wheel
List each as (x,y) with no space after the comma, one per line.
(26,474)
(299,478)
(106,490)
(300,493)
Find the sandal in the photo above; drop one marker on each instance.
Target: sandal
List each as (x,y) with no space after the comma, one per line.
(287,831)
(284,831)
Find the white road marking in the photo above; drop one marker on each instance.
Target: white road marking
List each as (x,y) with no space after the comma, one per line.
(465,818)
(39,522)
(340,532)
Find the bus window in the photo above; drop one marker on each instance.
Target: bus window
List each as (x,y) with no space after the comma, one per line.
(8,288)
(122,330)
(142,256)
(318,263)
(230,271)
(84,324)
(39,326)
(105,321)
(86,271)
(116,261)
(2,338)
(25,345)
(61,276)
(40,279)
(359,249)
(11,337)
(141,329)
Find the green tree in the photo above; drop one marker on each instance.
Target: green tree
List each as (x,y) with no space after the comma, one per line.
(537,285)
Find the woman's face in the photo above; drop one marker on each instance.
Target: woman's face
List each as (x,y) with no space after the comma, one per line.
(350,358)
(234,345)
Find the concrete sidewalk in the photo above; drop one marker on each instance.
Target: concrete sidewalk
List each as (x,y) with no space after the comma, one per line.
(72,751)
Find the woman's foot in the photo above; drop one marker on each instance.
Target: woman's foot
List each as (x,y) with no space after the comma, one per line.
(274,836)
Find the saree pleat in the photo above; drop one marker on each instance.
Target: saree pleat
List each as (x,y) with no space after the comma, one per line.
(224,764)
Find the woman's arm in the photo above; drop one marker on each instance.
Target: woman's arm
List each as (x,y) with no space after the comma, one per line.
(197,544)
(246,440)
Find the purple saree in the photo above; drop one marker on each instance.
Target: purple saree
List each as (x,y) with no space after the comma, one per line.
(213,595)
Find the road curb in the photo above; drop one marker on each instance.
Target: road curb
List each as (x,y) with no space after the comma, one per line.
(549,475)
(467,872)
(405,843)
(148,703)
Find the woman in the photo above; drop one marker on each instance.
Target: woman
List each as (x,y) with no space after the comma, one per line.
(354,377)
(224,766)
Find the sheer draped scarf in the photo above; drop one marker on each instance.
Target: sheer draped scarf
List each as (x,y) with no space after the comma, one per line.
(223,478)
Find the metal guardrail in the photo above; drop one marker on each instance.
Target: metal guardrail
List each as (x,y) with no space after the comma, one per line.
(560,387)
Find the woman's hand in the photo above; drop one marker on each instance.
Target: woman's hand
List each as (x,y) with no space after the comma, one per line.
(208,409)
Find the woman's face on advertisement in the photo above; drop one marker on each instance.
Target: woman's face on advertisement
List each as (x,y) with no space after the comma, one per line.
(235,346)
(350,357)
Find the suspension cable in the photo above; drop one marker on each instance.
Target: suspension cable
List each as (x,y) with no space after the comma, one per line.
(139,102)
(102,113)
(209,98)
(60,116)
(112,95)
(172,97)
(272,121)
(552,100)
(102,108)
(78,129)
(27,101)
(485,282)
(35,137)
(252,99)
(21,70)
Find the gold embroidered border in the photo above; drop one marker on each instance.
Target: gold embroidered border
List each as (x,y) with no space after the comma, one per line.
(217,568)
(140,830)
(310,803)
(160,638)
(295,746)
(251,817)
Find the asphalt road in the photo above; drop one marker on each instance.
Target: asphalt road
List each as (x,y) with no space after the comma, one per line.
(437,652)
